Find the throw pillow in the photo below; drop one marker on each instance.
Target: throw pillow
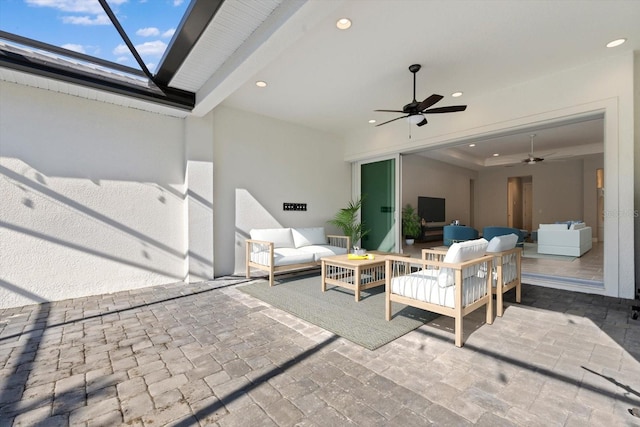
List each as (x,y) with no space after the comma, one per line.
(281,237)
(309,236)
(460,252)
(502,243)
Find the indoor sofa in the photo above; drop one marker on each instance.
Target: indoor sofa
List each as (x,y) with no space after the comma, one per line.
(570,239)
(276,250)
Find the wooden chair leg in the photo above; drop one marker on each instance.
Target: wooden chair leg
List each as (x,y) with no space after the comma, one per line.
(499,303)
(458,330)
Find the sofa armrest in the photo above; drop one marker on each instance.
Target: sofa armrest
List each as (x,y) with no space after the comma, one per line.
(339,241)
(257,246)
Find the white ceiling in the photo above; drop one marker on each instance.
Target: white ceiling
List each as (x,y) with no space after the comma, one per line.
(332,80)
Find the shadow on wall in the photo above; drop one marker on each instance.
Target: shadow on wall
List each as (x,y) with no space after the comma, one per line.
(249,213)
(52,234)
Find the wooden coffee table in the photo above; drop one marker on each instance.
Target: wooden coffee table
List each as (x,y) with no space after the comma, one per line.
(354,274)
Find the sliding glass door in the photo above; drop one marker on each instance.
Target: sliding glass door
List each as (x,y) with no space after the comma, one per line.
(378,184)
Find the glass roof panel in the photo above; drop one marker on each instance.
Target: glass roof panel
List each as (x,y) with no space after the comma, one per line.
(83,26)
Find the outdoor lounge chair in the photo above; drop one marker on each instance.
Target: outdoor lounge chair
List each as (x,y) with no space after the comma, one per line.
(452,283)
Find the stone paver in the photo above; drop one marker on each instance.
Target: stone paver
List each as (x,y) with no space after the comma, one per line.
(207,354)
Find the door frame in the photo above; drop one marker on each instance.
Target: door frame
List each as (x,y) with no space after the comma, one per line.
(356,189)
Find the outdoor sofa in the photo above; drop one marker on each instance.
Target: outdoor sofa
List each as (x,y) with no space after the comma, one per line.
(275,250)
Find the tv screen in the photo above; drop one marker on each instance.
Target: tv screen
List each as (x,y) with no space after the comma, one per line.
(431,209)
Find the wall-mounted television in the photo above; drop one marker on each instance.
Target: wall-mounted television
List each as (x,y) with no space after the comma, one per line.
(431,209)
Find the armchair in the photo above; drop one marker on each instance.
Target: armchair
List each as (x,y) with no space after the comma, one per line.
(457,233)
(490,232)
(452,283)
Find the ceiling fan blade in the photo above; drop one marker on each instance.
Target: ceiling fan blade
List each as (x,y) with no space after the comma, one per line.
(428,102)
(392,120)
(423,122)
(390,111)
(450,109)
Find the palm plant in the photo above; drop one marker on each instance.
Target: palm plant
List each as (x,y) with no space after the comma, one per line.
(346,219)
(411,226)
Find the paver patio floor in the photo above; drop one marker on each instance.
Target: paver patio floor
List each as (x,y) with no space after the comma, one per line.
(208,354)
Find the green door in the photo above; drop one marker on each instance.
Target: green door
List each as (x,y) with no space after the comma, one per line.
(378,189)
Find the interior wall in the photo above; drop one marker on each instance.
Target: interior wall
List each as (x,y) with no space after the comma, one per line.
(557,192)
(422,176)
(261,163)
(92,197)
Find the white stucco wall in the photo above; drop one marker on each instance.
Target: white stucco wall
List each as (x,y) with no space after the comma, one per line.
(260,163)
(199,206)
(92,197)
(595,88)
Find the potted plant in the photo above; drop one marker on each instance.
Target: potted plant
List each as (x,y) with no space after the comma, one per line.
(411,227)
(346,219)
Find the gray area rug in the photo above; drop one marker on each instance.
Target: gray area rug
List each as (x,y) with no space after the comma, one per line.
(335,310)
(531,251)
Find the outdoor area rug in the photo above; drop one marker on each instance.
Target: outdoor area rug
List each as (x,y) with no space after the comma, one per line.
(336,310)
(531,251)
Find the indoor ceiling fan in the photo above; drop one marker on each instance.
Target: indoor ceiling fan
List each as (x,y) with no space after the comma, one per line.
(532,160)
(415,111)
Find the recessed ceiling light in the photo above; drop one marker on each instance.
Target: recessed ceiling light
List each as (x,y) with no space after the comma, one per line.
(456,94)
(372,121)
(495,154)
(615,43)
(472,145)
(343,23)
(260,83)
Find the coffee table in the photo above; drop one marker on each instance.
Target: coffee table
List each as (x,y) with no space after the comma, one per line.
(354,274)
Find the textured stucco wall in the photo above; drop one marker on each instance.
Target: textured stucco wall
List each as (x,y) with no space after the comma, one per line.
(93,197)
(259,163)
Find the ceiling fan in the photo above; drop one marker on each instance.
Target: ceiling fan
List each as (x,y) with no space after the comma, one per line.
(532,160)
(414,111)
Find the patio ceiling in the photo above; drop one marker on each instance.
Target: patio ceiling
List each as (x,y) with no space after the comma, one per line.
(332,80)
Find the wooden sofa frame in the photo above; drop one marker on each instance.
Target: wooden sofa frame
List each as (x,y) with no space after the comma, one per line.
(432,259)
(271,269)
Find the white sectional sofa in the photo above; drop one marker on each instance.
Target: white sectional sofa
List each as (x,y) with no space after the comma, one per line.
(573,239)
(285,249)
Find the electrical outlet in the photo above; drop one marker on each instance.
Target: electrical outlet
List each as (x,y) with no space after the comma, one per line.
(287,206)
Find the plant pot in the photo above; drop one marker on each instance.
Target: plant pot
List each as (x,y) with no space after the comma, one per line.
(409,242)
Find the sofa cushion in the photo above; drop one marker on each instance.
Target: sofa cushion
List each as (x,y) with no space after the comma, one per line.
(308,236)
(423,286)
(457,253)
(321,251)
(283,256)
(502,243)
(281,237)
(577,225)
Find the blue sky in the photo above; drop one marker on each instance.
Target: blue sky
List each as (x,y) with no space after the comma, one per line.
(82,26)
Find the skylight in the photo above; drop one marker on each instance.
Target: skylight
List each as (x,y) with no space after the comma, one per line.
(83,26)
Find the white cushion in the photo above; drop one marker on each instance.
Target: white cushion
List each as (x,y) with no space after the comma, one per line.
(457,253)
(423,286)
(502,243)
(282,256)
(308,236)
(577,226)
(281,237)
(321,251)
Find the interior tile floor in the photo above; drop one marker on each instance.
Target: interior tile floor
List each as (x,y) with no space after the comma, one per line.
(207,354)
(587,267)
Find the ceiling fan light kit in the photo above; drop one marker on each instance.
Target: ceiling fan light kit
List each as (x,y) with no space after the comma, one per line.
(415,111)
